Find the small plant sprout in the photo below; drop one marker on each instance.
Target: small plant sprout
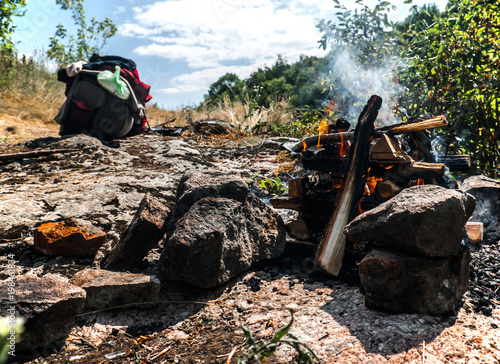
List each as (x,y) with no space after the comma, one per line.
(259,352)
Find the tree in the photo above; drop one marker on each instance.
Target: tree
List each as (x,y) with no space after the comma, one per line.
(364,32)
(228,85)
(455,69)
(89,39)
(8,10)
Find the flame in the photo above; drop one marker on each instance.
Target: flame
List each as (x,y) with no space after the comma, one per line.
(420,182)
(343,147)
(389,167)
(304,145)
(360,210)
(322,129)
(371,183)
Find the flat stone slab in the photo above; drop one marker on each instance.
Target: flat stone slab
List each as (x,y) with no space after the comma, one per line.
(70,237)
(49,305)
(397,282)
(107,289)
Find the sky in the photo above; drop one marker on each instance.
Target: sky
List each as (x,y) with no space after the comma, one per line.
(182,46)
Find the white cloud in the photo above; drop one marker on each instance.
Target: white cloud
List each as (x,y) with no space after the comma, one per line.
(211,36)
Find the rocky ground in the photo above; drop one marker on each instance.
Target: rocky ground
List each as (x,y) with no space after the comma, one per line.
(104,184)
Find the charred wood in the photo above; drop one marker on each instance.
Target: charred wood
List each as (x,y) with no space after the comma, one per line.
(455,162)
(331,251)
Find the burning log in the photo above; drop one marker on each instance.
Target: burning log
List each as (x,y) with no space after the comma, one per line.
(331,250)
(397,129)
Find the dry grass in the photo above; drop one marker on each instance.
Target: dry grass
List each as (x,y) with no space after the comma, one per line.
(30,98)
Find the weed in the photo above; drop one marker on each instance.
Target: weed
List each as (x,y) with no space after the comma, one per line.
(267,185)
(260,351)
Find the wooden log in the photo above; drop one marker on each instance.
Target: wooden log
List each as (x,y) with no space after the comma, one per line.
(388,150)
(295,187)
(331,251)
(455,162)
(34,154)
(298,229)
(316,206)
(386,189)
(420,170)
(397,129)
(406,128)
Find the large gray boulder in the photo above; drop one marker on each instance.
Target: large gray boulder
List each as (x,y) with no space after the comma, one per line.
(217,230)
(486,191)
(398,282)
(428,220)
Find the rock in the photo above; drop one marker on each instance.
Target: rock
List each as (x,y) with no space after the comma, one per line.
(487,194)
(70,237)
(218,229)
(194,186)
(397,282)
(49,305)
(106,289)
(143,234)
(427,220)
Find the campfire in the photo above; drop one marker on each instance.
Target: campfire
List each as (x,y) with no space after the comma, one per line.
(356,170)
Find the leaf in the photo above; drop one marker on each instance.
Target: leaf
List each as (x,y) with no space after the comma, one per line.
(279,335)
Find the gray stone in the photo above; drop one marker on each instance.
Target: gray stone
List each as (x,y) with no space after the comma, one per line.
(143,234)
(106,289)
(397,282)
(487,194)
(49,305)
(427,220)
(212,239)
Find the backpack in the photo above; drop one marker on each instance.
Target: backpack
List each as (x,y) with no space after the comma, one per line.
(96,110)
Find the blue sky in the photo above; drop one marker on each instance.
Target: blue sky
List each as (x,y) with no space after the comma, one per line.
(182,46)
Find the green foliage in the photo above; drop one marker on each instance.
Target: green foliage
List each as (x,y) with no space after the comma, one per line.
(5,334)
(365,32)
(267,185)
(454,69)
(8,10)
(297,83)
(89,39)
(227,86)
(258,352)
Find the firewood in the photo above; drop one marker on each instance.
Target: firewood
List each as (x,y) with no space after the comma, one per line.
(308,205)
(397,129)
(386,189)
(298,229)
(406,128)
(420,170)
(455,162)
(331,251)
(295,187)
(388,150)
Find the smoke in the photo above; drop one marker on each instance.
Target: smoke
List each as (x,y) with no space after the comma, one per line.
(356,83)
